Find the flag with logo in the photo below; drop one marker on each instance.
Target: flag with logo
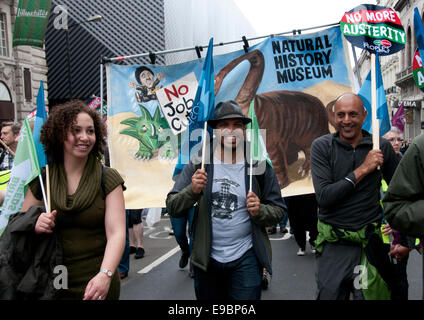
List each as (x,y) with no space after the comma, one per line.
(382,111)
(31,22)
(25,169)
(203,110)
(40,118)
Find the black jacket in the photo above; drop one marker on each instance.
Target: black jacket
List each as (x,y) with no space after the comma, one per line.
(28,260)
(341,203)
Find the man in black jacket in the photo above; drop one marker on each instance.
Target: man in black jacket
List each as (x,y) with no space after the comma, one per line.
(347,182)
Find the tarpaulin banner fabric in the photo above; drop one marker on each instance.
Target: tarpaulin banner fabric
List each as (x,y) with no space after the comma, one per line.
(31,22)
(291,80)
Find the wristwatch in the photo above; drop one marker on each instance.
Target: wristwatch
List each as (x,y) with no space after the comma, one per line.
(108,272)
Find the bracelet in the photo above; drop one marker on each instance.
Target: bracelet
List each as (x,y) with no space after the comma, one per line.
(350,181)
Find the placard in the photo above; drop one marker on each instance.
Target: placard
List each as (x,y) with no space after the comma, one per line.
(418,70)
(374,28)
(176,101)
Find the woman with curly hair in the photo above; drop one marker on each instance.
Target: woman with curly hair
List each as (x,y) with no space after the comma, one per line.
(87,202)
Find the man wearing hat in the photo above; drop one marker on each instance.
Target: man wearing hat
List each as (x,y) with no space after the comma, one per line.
(231,245)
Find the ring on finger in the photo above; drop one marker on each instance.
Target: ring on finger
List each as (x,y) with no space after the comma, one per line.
(100,298)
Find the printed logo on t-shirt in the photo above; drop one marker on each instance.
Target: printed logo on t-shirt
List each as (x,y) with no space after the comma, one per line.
(224,203)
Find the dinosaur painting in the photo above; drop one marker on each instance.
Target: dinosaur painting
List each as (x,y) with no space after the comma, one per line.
(151,133)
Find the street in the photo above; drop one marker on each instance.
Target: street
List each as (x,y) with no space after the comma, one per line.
(158,277)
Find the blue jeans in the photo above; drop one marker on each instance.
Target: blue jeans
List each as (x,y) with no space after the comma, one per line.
(240,279)
(179,225)
(124,264)
(283,222)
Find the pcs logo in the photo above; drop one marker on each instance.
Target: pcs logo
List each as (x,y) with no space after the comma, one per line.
(379,46)
(383,42)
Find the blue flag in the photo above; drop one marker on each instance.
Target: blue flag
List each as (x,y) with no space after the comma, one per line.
(40,118)
(382,111)
(203,110)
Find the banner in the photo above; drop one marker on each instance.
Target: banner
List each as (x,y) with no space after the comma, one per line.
(31,22)
(291,80)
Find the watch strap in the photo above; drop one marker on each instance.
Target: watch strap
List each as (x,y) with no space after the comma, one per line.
(107,272)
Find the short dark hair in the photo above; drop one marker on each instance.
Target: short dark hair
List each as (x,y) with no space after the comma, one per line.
(139,70)
(61,119)
(16,127)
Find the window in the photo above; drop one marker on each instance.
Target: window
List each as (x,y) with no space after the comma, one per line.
(27,84)
(3,42)
(4,93)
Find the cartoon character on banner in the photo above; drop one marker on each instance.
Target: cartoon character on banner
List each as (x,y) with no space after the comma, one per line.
(147,85)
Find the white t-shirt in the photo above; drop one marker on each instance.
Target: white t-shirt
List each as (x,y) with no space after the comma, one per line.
(231,225)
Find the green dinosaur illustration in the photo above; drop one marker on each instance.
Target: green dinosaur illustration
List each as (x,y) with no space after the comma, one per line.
(151,134)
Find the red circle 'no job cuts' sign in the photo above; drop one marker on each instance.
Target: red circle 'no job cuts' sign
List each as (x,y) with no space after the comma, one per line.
(374,28)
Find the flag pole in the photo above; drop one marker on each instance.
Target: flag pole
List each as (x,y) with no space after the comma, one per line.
(48,188)
(251,161)
(375,124)
(43,191)
(205,129)
(7,147)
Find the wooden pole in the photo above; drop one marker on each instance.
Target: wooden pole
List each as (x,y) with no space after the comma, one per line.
(205,130)
(48,188)
(7,147)
(249,139)
(375,124)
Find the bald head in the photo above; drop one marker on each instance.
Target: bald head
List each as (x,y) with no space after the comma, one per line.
(350,99)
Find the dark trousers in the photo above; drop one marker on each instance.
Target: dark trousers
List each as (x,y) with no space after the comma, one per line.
(303,217)
(400,285)
(236,280)
(182,226)
(336,272)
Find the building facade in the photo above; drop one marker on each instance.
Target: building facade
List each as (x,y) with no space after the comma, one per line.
(21,69)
